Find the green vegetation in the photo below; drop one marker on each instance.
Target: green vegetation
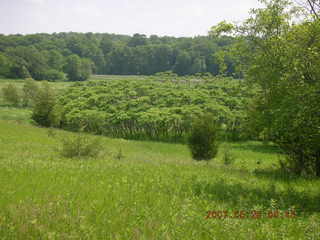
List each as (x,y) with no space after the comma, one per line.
(79,146)
(15,114)
(77,69)
(152,109)
(72,185)
(73,56)
(10,94)
(43,107)
(203,139)
(228,156)
(155,191)
(282,58)
(30,91)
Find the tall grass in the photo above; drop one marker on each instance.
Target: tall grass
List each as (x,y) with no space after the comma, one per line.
(155,192)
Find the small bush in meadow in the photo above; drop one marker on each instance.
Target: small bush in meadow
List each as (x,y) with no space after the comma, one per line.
(11,95)
(42,109)
(203,138)
(80,146)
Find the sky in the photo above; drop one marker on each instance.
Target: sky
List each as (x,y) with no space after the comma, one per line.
(161,17)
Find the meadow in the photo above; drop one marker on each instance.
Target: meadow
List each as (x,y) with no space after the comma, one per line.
(153,191)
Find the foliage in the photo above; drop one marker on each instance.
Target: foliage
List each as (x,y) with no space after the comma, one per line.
(43,107)
(78,69)
(30,90)
(80,146)
(221,27)
(160,108)
(61,199)
(284,62)
(53,75)
(203,138)
(10,94)
(37,55)
(5,66)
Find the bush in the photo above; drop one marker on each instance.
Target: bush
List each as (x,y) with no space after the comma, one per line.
(11,95)
(43,107)
(203,142)
(30,90)
(80,146)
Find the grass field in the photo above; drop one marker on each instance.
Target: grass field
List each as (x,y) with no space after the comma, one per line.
(19,83)
(156,191)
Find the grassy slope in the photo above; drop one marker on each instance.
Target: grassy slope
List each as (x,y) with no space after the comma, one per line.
(155,192)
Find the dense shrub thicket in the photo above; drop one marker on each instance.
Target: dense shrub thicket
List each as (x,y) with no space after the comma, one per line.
(152,109)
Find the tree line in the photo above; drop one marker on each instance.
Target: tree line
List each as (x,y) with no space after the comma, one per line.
(73,56)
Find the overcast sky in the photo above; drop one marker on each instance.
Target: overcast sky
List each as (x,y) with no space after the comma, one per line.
(161,17)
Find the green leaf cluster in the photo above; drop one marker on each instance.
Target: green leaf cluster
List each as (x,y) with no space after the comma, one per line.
(151,108)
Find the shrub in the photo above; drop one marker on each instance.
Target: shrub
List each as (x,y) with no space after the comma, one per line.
(43,107)
(202,141)
(80,146)
(30,90)
(297,133)
(11,95)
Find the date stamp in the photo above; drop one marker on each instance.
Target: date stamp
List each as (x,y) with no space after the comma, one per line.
(253,214)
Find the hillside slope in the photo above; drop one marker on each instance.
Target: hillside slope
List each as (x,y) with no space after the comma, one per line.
(155,192)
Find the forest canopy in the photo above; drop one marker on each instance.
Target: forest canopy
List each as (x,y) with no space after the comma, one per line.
(74,56)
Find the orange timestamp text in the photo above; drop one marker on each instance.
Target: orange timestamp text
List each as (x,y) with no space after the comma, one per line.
(253,214)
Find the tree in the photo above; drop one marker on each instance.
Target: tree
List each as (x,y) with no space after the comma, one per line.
(221,27)
(282,61)
(106,45)
(183,63)
(78,69)
(31,59)
(5,66)
(198,65)
(55,60)
(137,40)
(314,7)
